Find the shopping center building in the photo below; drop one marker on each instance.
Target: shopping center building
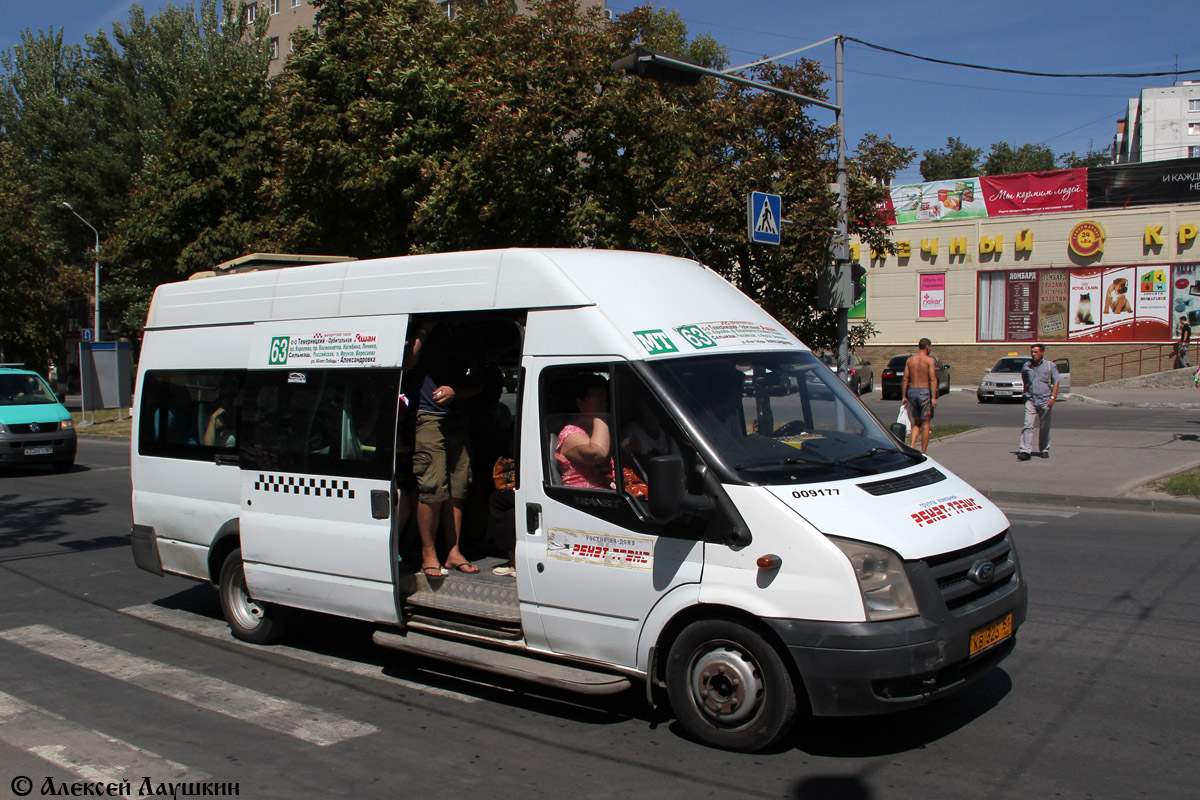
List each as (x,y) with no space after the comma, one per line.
(1098,264)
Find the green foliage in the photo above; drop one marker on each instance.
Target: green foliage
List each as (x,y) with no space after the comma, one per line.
(1004,160)
(955,160)
(30,289)
(395,130)
(1093,158)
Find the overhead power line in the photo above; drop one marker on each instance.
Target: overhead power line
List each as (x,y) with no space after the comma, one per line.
(1022,71)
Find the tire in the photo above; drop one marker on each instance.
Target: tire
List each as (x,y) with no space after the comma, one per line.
(729,687)
(63,466)
(871,385)
(250,621)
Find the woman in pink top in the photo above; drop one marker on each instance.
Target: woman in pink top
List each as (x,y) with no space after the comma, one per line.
(583,453)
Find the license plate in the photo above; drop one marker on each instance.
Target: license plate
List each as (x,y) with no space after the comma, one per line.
(1003,393)
(38,451)
(991,634)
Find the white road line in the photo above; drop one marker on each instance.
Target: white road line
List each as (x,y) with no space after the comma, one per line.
(89,754)
(1036,512)
(216,629)
(303,722)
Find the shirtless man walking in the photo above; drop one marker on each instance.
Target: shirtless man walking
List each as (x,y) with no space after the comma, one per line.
(919,391)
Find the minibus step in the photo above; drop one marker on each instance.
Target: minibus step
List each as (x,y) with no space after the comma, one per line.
(504,633)
(479,595)
(513,665)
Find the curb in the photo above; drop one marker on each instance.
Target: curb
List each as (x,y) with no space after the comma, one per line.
(1118,404)
(1081,501)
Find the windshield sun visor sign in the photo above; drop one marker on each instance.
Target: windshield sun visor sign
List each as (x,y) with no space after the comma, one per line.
(708,335)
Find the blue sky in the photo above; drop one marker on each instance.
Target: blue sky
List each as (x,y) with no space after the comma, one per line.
(919,104)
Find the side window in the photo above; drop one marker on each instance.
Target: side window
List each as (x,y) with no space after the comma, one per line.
(192,414)
(601,425)
(577,427)
(322,422)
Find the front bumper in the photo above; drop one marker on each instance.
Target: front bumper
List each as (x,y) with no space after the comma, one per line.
(856,668)
(37,448)
(1000,392)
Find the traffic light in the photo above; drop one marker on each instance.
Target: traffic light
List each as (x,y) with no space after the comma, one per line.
(646,63)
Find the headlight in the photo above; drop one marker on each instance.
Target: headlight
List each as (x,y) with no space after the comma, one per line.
(67,424)
(886,592)
(988,384)
(2,428)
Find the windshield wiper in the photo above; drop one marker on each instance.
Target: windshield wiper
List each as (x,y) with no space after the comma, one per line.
(874,451)
(783,462)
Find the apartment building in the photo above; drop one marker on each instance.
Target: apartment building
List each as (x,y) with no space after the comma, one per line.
(1161,123)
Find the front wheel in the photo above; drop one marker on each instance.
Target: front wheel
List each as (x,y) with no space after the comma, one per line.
(729,687)
(249,620)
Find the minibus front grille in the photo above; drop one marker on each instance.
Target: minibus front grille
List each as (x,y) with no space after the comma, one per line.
(27,427)
(904,483)
(958,580)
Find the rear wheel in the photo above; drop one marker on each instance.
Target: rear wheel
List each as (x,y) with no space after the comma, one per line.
(249,620)
(729,687)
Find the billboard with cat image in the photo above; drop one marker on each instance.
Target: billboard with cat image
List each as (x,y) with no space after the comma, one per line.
(1085,303)
(1119,304)
(1185,296)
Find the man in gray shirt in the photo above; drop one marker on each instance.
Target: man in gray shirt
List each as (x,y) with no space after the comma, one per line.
(1041,392)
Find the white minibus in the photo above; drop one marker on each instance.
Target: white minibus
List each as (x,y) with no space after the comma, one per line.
(750,543)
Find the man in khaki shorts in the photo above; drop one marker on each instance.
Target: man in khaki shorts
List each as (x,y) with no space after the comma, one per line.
(918,391)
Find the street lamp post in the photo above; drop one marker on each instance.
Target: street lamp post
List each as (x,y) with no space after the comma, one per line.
(96,329)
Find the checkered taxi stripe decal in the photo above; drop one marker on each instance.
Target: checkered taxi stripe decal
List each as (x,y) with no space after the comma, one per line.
(314,487)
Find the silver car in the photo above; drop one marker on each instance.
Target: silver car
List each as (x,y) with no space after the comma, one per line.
(1003,380)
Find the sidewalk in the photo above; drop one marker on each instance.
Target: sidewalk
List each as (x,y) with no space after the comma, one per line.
(1087,468)
(1138,398)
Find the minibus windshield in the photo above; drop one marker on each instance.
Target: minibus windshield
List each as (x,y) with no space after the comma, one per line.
(780,417)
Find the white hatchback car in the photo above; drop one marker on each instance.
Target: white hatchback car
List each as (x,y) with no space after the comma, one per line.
(1003,380)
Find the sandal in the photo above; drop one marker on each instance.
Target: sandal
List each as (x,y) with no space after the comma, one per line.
(434,572)
(465,567)
(504,572)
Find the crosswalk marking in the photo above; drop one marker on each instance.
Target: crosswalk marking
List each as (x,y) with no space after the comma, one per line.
(303,722)
(216,629)
(86,753)
(1036,512)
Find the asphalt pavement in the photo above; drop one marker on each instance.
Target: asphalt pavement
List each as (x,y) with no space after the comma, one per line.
(1100,468)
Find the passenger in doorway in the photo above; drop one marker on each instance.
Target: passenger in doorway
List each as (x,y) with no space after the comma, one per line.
(584,451)
(919,390)
(502,515)
(442,458)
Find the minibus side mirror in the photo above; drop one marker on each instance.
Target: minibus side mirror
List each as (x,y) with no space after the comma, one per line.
(899,431)
(668,489)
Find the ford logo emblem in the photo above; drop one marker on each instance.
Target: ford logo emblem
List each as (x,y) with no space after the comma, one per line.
(983,572)
(33,427)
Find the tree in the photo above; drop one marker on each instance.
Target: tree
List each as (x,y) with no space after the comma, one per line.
(955,160)
(1093,158)
(1004,160)
(195,200)
(32,291)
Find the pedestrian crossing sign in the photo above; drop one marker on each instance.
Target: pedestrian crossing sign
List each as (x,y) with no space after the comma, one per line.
(764,218)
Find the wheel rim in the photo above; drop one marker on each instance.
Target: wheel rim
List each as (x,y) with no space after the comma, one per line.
(247,613)
(726,684)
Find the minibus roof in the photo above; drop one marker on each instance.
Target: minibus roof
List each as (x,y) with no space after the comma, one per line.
(661,305)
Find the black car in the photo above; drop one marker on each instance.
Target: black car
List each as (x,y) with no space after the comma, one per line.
(893,376)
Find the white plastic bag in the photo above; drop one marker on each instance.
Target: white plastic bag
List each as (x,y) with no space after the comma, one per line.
(904,419)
